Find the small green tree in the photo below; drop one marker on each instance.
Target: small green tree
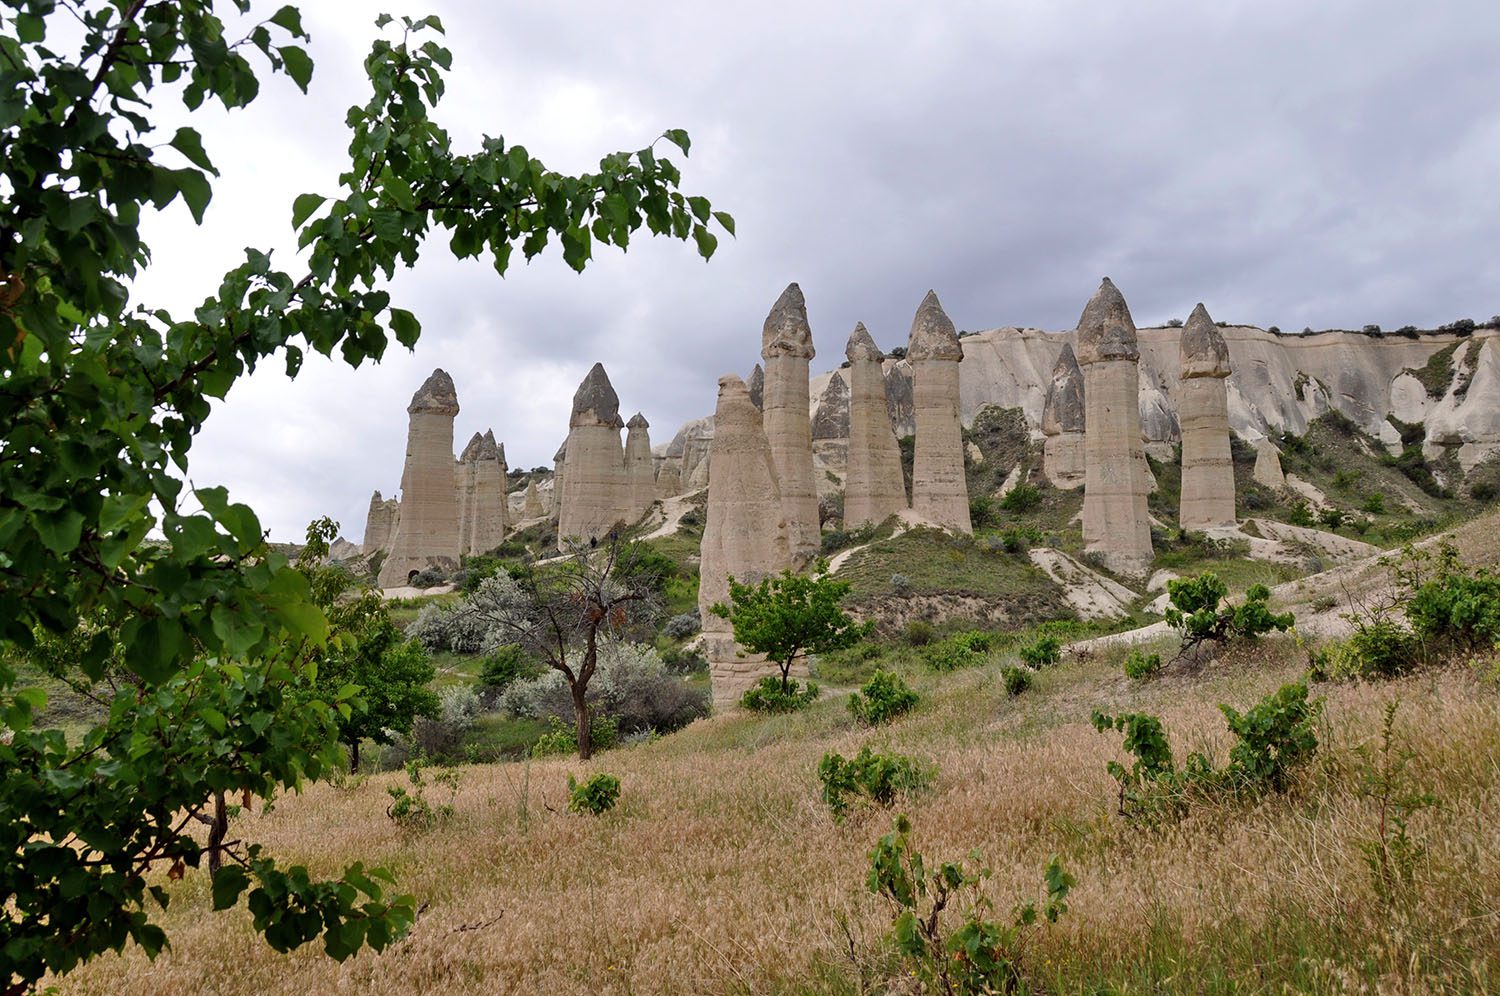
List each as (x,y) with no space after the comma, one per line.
(1200,610)
(788,615)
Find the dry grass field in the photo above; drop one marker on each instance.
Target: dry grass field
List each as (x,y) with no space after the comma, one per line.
(722,871)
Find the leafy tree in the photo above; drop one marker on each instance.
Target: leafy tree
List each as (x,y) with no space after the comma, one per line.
(366,650)
(1201,611)
(214,634)
(786,616)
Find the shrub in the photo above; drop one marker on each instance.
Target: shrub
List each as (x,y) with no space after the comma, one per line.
(448,627)
(1043,651)
(950,655)
(506,665)
(878,778)
(410,808)
(1378,648)
(981,511)
(1332,518)
(440,736)
(684,662)
(884,697)
(1273,737)
(1374,505)
(769,696)
(1201,613)
(979,956)
(919,633)
(1016,540)
(840,539)
(429,577)
(631,687)
(1454,605)
(900,583)
(682,626)
(596,796)
(1301,515)
(1022,498)
(562,738)
(1141,665)
(1017,679)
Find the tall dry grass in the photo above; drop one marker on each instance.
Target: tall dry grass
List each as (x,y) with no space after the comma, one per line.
(722,872)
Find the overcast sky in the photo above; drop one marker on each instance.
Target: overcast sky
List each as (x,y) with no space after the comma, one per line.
(1328,164)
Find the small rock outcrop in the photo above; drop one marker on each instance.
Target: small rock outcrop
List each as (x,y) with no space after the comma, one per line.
(559,462)
(939,491)
(1063,424)
(744,536)
(786,347)
(757,386)
(1116,524)
(596,495)
(427,534)
(874,488)
(1203,411)
(640,468)
(1268,471)
(831,417)
(380,524)
(532,507)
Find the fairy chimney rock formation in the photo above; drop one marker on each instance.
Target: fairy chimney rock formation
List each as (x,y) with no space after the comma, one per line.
(1116,525)
(939,492)
(640,468)
(380,524)
(757,385)
(427,534)
(1062,424)
(830,418)
(874,488)
(532,508)
(596,492)
(1203,410)
(558,477)
(484,518)
(786,346)
(744,537)
(1268,471)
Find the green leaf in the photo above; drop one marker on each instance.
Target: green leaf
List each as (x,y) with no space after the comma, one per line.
(679,138)
(60,531)
(214,719)
(726,219)
(699,206)
(190,144)
(406,327)
(152,647)
(290,18)
(707,241)
(195,190)
(304,206)
(229,882)
(30,28)
(298,66)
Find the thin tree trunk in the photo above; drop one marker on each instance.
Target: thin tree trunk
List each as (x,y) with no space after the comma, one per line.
(216,831)
(354,756)
(581,715)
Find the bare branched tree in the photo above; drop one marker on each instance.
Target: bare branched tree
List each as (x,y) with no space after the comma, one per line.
(560,612)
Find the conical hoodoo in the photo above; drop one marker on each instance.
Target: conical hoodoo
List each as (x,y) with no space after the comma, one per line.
(939,490)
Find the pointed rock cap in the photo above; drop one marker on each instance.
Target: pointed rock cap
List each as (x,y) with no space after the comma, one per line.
(786,332)
(596,398)
(375,498)
(637,421)
(562,452)
(1063,411)
(733,394)
(861,346)
(436,396)
(474,450)
(493,450)
(831,418)
(932,334)
(1106,331)
(757,387)
(1203,351)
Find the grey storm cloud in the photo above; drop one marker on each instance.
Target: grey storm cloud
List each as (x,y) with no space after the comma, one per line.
(1288,163)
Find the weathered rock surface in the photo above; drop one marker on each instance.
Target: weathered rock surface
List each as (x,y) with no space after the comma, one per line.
(1268,466)
(786,347)
(874,487)
(427,534)
(559,477)
(1116,525)
(640,470)
(831,416)
(532,507)
(481,495)
(939,492)
(757,385)
(1203,400)
(744,536)
(900,403)
(1062,424)
(380,523)
(596,494)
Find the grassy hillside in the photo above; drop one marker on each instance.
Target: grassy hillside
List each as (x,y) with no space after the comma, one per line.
(722,872)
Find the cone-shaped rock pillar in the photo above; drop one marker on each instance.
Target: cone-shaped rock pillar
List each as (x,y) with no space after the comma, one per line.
(786,346)
(380,524)
(1062,424)
(531,507)
(427,534)
(1116,525)
(757,385)
(559,476)
(640,470)
(873,485)
(1268,472)
(744,536)
(483,517)
(939,491)
(1203,410)
(596,491)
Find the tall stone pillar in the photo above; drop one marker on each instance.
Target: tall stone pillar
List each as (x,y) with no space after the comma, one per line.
(380,524)
(640,470)
(939,490)
(531,507)
(499,450)
(786,346)
(1203,410)
(757,386)
(1062,424)
(1116,525)
(484,519)
(427,533)
(873,485)
(559,461)
(744,536)
(594,498)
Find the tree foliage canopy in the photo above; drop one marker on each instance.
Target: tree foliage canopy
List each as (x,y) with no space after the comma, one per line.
(200,648)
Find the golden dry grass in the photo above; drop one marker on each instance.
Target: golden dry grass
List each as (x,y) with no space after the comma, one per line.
(723,873)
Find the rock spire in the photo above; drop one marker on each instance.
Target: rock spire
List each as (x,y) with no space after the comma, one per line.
(1063,424)
(596,496)
(427,534)
(1203,410)
(786,348)
(640,468)
(483,519)
(939,491)
(874,488)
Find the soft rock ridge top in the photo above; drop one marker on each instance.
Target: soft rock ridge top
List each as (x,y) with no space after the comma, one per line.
(1203,350)
(861,346)
(1106,331)
(933,336)
(596,396)
(637,421)
(436,396)
(786,332)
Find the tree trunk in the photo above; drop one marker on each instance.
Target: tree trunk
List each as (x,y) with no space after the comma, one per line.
(581,715)
(354,756)
(216,831)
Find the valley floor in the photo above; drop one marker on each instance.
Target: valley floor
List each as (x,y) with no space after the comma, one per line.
(723,872)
